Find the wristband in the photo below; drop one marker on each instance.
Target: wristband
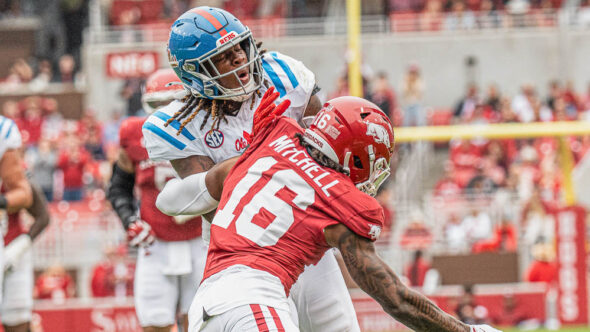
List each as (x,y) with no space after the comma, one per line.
(3,202)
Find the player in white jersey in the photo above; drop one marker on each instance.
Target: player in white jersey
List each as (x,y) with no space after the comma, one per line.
(17,298)
(217,60)
(18,193)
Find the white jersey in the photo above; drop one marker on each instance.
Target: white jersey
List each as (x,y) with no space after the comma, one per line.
(9,135)
(289,77)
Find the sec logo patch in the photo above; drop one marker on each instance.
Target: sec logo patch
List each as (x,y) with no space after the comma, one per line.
(214,139)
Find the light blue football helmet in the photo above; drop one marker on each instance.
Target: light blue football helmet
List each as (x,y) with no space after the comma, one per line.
(200,34)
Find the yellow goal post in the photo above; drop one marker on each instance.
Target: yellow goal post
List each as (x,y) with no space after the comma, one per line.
(560,129)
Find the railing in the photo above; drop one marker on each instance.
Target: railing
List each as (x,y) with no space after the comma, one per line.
(395,23)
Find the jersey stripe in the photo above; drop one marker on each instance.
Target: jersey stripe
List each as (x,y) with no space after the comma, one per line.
(276,319)
(167,137)
(259,316)
(9,129)
(211,19)
(276,81)
(286,69)
(175,124)
(2,123)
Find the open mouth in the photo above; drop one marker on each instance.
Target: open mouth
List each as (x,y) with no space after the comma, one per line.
(244,76)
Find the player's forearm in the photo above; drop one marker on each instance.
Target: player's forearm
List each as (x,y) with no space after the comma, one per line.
(216,176)
(120,194)
(378,280)
(18,197)
(188,196)
(39,212)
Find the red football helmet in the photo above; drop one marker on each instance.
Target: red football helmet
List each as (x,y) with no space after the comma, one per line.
(356,134)
(158,92)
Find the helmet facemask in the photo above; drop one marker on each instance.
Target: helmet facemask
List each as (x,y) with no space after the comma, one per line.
(379,171)
(204,69)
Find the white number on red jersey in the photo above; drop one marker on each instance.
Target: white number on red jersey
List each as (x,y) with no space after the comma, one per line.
(265,198)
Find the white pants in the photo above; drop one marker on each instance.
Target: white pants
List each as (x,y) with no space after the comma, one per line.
(322,299)
(1,259)
(17,296)
(166,279)
(251,318)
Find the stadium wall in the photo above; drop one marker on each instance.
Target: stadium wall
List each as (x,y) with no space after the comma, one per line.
(508,58)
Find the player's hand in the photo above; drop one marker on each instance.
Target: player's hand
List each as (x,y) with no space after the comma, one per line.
(482,328)
(140,233)
(15,250)
(267,111)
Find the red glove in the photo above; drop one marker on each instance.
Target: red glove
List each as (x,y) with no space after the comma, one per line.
(140,233)
(267,111)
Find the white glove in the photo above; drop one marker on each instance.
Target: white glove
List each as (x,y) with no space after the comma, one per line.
(482,328)
(14,251)
(140,233)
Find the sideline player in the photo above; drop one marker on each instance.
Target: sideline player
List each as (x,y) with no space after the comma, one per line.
(218,61)
(168,272)
(18,192)
(17,301)
(291,196)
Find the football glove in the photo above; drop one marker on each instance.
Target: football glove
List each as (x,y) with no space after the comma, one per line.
(267,112)
(482,328)
(140,233)
(15,249)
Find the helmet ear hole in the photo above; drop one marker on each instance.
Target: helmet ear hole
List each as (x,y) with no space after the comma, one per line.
(364,115)
(357,162)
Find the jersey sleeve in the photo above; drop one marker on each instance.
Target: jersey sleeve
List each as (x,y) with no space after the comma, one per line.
(165,143)
(360,212)
(291,79)
(10,137)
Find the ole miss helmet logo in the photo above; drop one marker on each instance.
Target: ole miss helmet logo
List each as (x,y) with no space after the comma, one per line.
(214,138)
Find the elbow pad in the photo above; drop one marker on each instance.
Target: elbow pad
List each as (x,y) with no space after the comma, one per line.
(120,194)
(188,196)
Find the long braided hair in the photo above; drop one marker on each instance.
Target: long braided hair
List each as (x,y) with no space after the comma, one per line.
(216,109)
(319,157)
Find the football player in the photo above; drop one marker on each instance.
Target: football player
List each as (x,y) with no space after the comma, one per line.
(290,197)
(17,297)
(218,61)
(170,269)
(18,192)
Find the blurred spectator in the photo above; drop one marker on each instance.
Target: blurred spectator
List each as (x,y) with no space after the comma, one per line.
(488,15)
(111,129)
(55,284)
(507,114)
(447,187)
(72,161)
(465,157)
(53,122)
(543,268)
(477,225)
(20,73)
(455,234)
(10,110)
(522,104)
(468,311)
(481,183)
(385,199)
(585,102)
(416,270)
(74,16)
(527,171)
(383,95)
(341,87)
(460,18)
(504,238)
(511,313)
(537,221)
(432,17)
(66,72)
(467,104)
(131,92)
(32,121)
(412,94)
(555,92)
(492,99)
(42,163)
(44,76)
(114,275)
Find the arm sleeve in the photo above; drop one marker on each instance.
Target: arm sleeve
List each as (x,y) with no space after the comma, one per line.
(194,200)
(120,194)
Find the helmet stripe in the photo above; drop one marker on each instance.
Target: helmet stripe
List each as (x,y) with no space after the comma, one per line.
(211,19)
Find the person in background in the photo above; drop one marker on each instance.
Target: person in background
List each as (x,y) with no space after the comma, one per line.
(72,161)
(114,275)
(383,95)
(54,284)
(416,270)
(43,162)
(412,93)
(543,268)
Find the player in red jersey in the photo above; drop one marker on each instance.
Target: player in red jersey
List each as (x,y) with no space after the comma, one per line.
(169,271)
(17,295)
(290,197)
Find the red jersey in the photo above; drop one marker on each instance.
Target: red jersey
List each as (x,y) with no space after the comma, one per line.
(150,178)
(276,203)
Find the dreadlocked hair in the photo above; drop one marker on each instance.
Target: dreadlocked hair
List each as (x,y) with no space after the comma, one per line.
(319,157)
(216,109)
